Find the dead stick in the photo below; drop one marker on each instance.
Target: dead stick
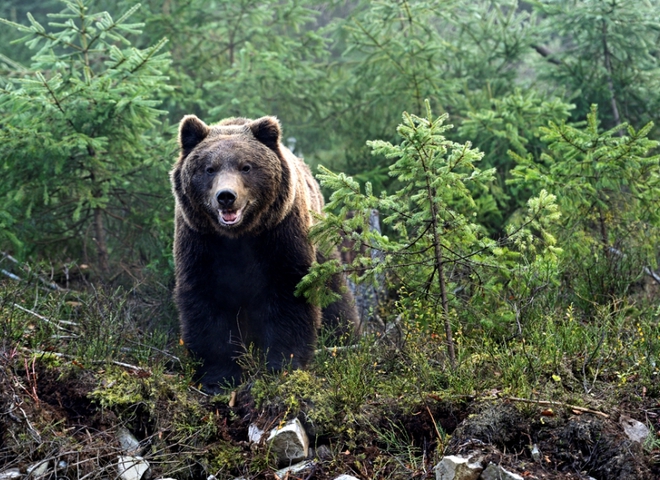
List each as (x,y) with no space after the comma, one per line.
(94,362)
(559,404)
(41,317)
(49,284)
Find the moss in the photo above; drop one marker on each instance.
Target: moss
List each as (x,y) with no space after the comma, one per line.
(118,388)
(226,457)
(48,360)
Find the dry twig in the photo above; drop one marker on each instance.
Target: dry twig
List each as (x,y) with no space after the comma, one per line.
(551,403)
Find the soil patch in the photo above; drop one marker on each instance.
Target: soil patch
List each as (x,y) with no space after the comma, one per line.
(568,446)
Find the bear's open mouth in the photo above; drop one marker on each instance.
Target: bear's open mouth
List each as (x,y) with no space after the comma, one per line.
(230,217)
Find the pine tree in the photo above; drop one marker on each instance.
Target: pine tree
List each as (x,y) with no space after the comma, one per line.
(608,185)
(605,53)
(76,143)
(436,256)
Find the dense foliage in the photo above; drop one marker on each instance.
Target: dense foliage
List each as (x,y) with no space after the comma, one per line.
(85,149)
(509,147)
(80,145)
(337,75)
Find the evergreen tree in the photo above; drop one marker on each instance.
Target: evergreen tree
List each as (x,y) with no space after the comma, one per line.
(82,171)
(608,185)
(458,54)
(243,58)
(604,52)
(509,123)
(438,259)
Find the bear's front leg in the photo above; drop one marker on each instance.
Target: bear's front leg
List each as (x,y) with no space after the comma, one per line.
(288,328)
(213,336)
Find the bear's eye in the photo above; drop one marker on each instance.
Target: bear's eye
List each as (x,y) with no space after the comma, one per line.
(246,168)
(210,170)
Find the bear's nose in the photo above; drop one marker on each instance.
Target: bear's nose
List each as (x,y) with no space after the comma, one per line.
(225,198)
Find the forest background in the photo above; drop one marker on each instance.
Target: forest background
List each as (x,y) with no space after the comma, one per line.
(530,224)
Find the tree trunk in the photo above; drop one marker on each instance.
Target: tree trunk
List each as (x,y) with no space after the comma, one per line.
(445,303)
(101,245)
(439,264)
(610,82)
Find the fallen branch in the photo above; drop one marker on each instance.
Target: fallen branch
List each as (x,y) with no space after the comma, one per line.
(93,362)
(11,275)
(42,318)
(551,403)
(49,284)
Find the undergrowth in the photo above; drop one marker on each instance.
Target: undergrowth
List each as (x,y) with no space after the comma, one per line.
(76,366)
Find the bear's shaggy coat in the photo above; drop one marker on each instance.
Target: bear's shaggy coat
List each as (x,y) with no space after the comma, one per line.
(242,216)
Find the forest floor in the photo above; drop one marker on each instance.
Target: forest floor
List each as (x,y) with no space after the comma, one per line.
(79,374)
(63,413)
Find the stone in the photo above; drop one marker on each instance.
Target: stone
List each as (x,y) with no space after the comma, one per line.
(635,430)
(289,443)
(453,467)
(294,469)
(38,469)
(10,474)
(495,472)
(132,468)
(127,442)
(323,452)
(255,433)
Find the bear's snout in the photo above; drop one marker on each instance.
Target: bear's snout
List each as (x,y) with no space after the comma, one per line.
(225,198)
(229,200)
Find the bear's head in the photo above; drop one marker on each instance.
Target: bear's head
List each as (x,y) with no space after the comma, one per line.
(232,177)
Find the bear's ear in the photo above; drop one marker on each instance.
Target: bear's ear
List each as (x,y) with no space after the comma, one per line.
(191,131)
(267,131)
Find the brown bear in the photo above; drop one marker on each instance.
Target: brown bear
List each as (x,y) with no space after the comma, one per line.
(242,216)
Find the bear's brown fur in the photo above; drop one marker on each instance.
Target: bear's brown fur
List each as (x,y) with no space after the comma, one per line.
(242,216)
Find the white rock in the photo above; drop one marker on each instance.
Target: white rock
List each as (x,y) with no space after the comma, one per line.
(289,443)
(636,431)
(10,474)
(536,453)
(453,467)
(346,477)
(132,468)
(128,443)
(294,469)
(255,433)
(38,469)
(495,472)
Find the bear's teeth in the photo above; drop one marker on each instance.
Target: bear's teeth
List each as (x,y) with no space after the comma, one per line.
(229,217)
